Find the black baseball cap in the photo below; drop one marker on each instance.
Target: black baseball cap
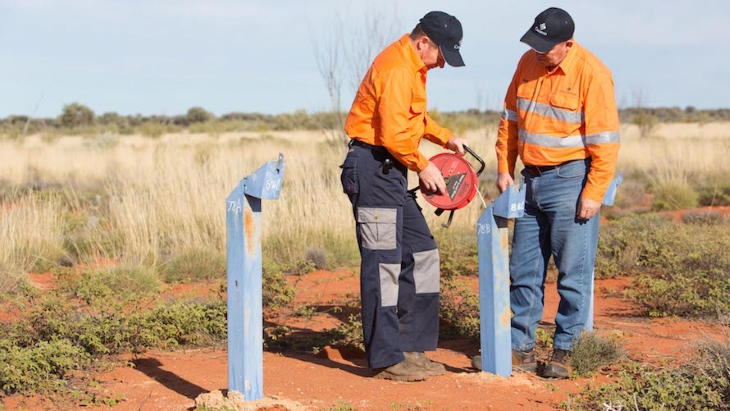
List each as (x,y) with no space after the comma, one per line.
(445,31)
(551,27)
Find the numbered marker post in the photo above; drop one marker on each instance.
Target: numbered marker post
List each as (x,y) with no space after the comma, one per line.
(494,309)
(608,200)
(244,270)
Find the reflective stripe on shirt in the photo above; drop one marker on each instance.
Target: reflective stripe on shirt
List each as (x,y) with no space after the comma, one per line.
(550,111)
(509,115)
(572,141)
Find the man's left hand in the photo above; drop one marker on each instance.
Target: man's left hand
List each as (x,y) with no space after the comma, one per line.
(587,208)
(457,144)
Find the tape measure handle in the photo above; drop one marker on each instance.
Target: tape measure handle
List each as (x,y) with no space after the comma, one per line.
(479,159)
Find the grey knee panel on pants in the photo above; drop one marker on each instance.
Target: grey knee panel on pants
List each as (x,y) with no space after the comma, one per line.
(389,274)
(426,271)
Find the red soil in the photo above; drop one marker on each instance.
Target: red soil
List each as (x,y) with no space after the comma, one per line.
(172,380)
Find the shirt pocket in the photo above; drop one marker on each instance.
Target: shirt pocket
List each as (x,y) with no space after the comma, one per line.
(418,106)
(567,108)
(565,100)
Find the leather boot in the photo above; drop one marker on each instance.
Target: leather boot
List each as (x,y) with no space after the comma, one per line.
(521,361)
(403,371)
(557,367)
(419,359)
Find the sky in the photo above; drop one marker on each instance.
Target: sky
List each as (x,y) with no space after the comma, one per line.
(161,57)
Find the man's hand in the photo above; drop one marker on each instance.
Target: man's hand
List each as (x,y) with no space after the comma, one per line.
(504,180)
(457,144)
(587,208)
(431,180)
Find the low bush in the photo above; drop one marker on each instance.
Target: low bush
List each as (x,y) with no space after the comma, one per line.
(702,384)
(70,328)
(674,195)
(592,351)
(194,264)
(679,269)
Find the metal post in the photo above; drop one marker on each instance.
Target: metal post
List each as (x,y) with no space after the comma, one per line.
(494,278)
(244,270)
(494,309)
(608,200)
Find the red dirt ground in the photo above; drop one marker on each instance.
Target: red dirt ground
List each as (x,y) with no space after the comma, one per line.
(172,380)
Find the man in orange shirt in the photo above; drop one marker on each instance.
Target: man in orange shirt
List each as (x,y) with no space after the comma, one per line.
(560,118)
(399,271)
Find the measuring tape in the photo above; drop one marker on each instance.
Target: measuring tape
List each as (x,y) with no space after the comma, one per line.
(461,182)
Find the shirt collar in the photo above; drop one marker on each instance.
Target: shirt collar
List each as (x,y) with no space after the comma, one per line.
(569,59)
(410,51)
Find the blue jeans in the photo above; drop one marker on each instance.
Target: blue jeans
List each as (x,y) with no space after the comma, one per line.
(550,228)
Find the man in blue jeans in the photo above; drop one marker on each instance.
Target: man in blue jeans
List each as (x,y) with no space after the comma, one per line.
(560,118)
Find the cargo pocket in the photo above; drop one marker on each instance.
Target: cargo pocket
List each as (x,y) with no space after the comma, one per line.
(349,175)
(377,227)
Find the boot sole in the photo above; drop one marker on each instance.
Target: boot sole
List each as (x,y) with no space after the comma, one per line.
(405,378)
(548,372)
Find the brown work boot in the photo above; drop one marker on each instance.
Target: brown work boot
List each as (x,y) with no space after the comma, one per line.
(403,371)
(557,367)
(419,359)
(521,361)
(524,360)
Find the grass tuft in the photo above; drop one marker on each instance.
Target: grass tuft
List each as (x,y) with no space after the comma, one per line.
(591,352)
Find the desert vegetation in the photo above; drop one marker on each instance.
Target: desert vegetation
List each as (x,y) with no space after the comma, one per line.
(120,208)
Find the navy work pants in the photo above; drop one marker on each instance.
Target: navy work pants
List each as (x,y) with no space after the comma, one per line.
(399,270)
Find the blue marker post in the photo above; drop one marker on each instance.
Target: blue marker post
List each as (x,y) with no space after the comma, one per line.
(494,310)
(608,200)
(494,279)
(244,269)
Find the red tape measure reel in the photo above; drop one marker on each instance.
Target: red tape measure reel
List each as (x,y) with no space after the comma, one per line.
(461,182)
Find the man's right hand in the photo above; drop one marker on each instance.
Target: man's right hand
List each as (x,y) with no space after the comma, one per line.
(504,180)
(431,180)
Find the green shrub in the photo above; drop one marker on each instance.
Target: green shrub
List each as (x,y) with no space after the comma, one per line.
(75,115)
(701,384)
(715,192)
(674,195)
(70,327)
(277,292)
(195,264)
(702,217)
(679,269)
(592,351)
(459,307)
(198,115)
(318,257)
(39,368)
(627,245)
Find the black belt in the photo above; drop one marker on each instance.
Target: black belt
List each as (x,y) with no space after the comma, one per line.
(359,143)
(540,170)
(355,142)
(381,152)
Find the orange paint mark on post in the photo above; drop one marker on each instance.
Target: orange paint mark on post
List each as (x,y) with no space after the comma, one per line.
(249,226)
(506,318)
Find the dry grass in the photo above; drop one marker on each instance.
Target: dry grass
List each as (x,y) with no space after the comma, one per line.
(161,196)
(31,231)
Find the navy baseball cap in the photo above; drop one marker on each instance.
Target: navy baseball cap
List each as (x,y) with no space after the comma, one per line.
(445,30)
(551,27)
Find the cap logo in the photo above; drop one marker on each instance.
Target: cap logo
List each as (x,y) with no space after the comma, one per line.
(541,29)
(457,45)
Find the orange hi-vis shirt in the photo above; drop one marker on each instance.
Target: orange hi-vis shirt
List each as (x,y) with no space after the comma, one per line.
(567,114)
(389,109)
